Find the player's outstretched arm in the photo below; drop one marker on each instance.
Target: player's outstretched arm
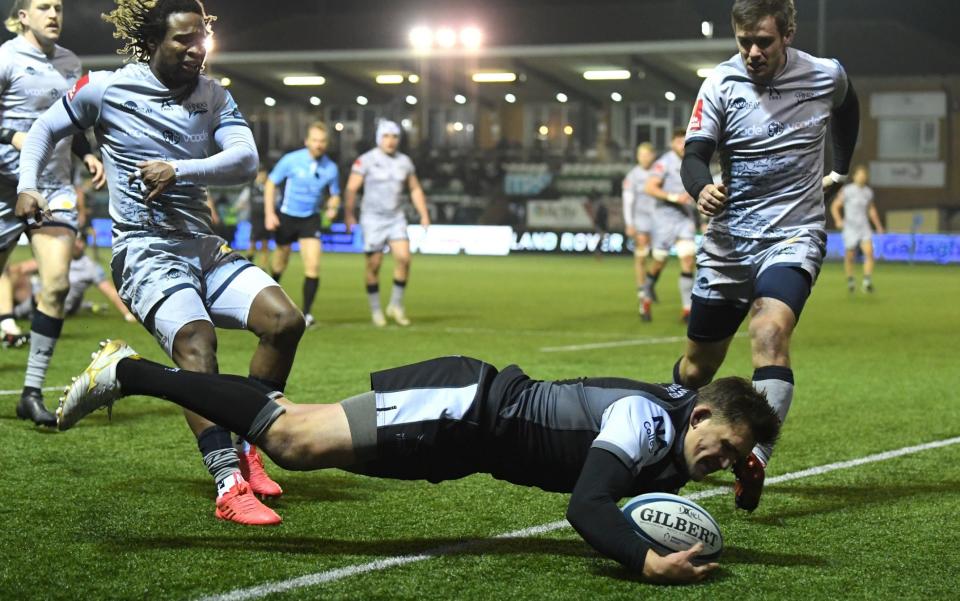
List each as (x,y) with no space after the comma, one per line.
(845,128)
(419,199)
(697,180)
(875,218)
(354,182)
(109,291)
(835,207)
(236,162)
(594,514)
(52,126)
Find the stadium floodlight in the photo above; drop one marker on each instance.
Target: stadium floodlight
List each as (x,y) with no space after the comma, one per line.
(338,126)
(270,101)
(446,37)
(510,98)
(315,100)
(460,99)
(362,100)
(421,37)
(390,78)
(704,72)
(561,97)
(543,130)
(225,82)
(411,100)
(413,78)
(706,28)
(406,123)
(304,80)
(616,96)
(471,37)
(209,44)
(568,130)
(494,77)
(458,126)
(670,96)
(606,74)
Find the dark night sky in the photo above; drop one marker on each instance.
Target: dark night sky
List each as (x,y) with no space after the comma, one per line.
(882,36)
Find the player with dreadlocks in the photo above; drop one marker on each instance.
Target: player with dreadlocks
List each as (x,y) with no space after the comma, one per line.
(166,132)
(34,72)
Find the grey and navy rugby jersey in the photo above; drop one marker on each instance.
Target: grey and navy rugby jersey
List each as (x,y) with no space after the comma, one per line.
(770,140)
(636,202)
(137,118)
(30,83)
(384,176)
(856,202)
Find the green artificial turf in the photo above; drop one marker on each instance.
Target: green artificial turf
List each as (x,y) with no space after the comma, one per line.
(124,510)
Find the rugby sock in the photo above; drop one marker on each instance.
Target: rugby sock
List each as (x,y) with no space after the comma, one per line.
(219,456)
(44,332)
(373,297)
(239,404)
(686,289)
(396,297)
(777,383)
(271,384)
(310,286)
(276,275)
(648,285)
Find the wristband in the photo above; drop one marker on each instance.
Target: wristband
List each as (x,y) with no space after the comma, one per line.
(838,178)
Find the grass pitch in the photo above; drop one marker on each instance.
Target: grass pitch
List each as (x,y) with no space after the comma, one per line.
(124,510)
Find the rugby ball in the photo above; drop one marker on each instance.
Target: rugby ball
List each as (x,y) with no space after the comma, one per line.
(670,523)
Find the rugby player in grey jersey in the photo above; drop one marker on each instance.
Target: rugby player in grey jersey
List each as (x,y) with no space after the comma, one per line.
(600,439)
(766,111)
(859,211)
(383,172)
(638,207)
(166,132)
(34,73)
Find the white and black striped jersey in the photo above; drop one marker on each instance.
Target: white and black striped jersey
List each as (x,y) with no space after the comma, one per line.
(30,82)
(770,140)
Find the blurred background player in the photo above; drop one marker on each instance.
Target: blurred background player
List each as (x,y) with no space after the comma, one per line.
(382,172)
(84,273)
(673,223)
(32,62)
(175,274)
(638,207)
(305,175)
(766,240)
(250,202)
(859,212)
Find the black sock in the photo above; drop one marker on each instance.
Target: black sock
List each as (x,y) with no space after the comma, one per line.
(310,286)
(276,275)
(653,277)
(233,402)
(270,385)
(218,453)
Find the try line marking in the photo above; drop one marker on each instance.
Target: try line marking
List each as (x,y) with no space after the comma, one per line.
(270,588)
(618,343)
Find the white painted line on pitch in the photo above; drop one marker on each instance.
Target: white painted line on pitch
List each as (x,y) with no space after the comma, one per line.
(280,586)
(19,390)
(618,343)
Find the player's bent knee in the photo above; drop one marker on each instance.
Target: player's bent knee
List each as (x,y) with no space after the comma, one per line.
(686,248)
(53,290)
(770,335)
(660,255)
(641,252)
(195,347)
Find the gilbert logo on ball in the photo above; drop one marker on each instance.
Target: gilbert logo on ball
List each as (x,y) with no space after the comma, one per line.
(670,523)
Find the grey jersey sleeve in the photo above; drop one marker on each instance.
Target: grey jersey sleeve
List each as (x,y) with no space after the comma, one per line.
(235,163)
(52,126)
(637,431)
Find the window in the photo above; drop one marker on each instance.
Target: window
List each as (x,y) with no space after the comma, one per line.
(912,139)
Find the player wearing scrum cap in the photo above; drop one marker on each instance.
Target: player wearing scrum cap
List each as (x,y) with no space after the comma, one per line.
(383,172)
(638,209)
(167,131)
(766,111)
(34,73)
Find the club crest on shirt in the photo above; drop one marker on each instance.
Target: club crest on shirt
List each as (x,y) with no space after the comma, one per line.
(78,86)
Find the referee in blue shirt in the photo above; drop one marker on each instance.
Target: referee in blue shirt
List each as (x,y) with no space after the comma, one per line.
(304,174)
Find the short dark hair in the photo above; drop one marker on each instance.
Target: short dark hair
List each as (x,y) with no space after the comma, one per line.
(735,400)
(748,13)
(140,23)
(679,132)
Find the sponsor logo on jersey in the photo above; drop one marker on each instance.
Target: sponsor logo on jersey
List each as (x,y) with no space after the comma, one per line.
(774,128)
(696,119)
(741,103)
(675,391)
(802,97)
(175,137)
(196,108)
(78,86)
(656,440)
(132,107)
(773,93)
(30,70)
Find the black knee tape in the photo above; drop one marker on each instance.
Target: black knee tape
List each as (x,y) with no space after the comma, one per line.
(790,285)
(713,322)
